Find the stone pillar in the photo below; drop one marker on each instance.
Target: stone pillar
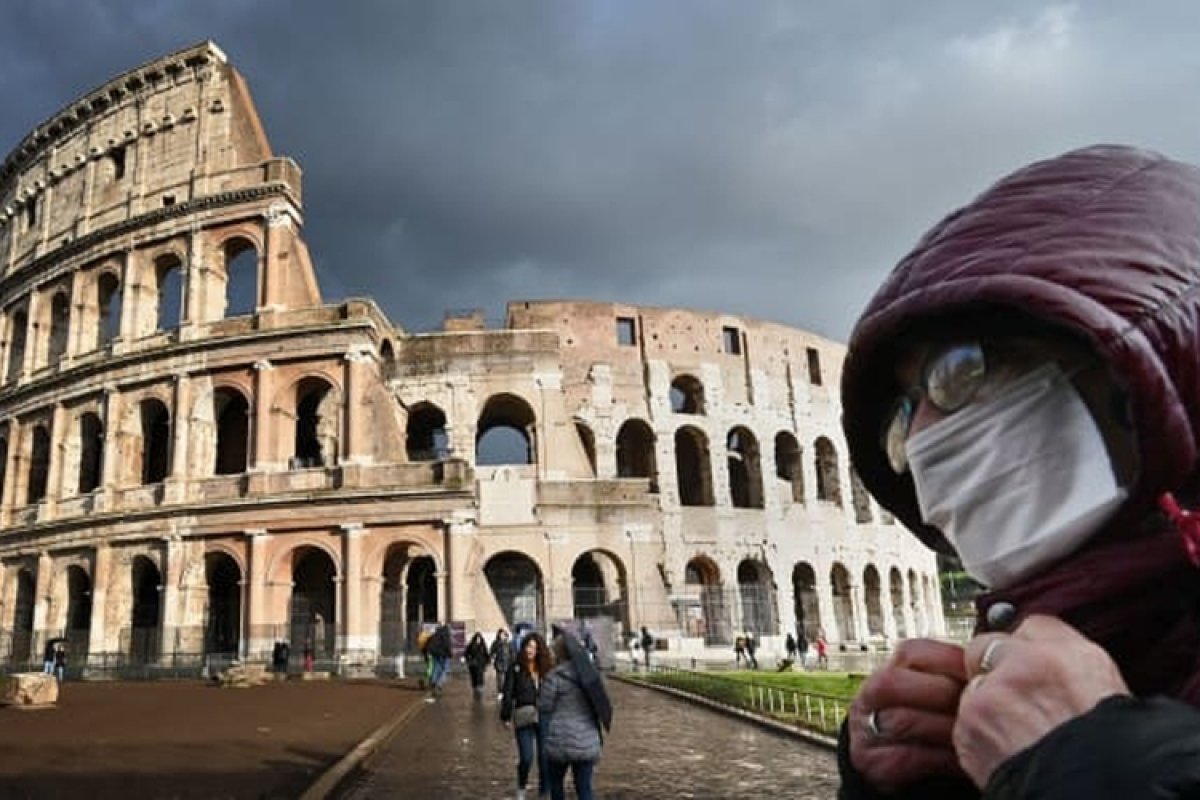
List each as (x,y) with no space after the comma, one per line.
(172,577)
(43,597)
(55,477)
(98,642)
(357,449)
(443,596)
(12,464)
(262,457)
(858,601)
(33,336)
(355,638)
(175,486)
(111,461)
(75,317)
(258,636)
(460,539)
(130,295)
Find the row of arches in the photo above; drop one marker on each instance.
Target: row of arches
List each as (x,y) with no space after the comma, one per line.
(158,299)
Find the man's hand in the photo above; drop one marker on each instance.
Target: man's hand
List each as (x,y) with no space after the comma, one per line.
(1023,686)
(900,723)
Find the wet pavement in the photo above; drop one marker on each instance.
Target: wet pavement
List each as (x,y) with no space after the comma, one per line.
(659,747)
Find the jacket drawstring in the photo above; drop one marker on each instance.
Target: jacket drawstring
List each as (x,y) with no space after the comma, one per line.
(1187,522)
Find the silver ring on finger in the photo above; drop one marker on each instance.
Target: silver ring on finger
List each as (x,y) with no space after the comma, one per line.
(872,725)
(988,663)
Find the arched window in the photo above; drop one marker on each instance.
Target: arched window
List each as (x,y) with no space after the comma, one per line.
(232,413)
(425,439)
(39,464)
(241,277)
(635,452)
(18,329)
(316,424)
(156,441)
(60,322)
(108,305)
(168,275)
(692,467)
(505,432)
(687,395)
(91,452)
(789,464)
(745,469)
(828,486)
(860,498)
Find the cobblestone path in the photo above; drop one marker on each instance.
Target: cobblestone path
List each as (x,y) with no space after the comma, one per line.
(659,747)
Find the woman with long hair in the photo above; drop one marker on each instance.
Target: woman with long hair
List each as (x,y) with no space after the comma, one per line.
(572,735)
(518,708)
(477,658)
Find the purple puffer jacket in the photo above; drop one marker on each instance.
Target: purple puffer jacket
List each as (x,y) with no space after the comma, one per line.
(1103,241)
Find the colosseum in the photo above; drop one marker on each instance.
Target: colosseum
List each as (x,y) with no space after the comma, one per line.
(199,457)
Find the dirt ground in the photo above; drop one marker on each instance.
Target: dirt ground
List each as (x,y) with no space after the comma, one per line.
(184,739)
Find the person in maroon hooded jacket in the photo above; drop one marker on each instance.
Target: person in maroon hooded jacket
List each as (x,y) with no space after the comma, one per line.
(1024,391)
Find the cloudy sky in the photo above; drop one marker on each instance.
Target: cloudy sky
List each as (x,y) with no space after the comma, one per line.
(772,159)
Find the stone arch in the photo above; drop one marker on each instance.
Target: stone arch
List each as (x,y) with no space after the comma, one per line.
(425,436)
(806,602)
(408,596)
(3,458)
(843,602)
(745,468)
(600,588)
(108,307)
(873,595)
(896,592)
(156,440)
(39,463)
(145,614)
(705,596)
(60,325)
(636,452)
(168,292)
(223,614)
(506,432)
(756,596)
(687,395)
(231,413)
(318,420)
(860,498)
(829,487)
(241,261)
(693,467)
(516,583)
(387,360)
(18,332)
(313,607)
(77,621)
(789,464)
(21,651)
(91,452)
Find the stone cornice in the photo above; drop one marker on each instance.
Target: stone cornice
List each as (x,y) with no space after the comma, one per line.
(97,100)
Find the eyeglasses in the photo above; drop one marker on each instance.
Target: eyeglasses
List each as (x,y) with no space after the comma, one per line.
(950,379)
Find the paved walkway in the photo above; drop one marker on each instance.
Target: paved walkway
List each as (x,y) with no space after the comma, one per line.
(660,747)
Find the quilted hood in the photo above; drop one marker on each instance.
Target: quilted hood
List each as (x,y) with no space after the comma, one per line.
(1102,242)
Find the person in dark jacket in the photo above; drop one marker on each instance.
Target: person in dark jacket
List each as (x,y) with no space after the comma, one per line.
(477,657)
(572,738)
(518,708)
(502,656)
(439,647)
(1024,391)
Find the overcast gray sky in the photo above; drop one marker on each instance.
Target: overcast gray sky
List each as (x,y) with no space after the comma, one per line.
(772,159)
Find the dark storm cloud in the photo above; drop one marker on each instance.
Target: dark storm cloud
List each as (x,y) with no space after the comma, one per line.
(766,158)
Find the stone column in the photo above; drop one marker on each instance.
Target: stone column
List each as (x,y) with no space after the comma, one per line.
(12,464)
(111,460)
(55,477)
(172,577)
(357,448)
(258,637)
(42,597)
(263,458)
(75,318)
(460,539)
(32,336)
(98,641)
(175,486)
(355,638)
(443,596)
(858,602)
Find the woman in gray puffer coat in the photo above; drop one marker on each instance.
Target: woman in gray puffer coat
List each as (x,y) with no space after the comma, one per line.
(572,736)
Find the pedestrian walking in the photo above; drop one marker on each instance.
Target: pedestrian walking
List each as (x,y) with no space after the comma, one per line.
(751,647)
(802,650)
(502,656)
(789,644)
(739,650)
(647,645)
(60,662)
(477,658)
(572,738)
(822,652)
(48,657)
(439,649)
(519,709)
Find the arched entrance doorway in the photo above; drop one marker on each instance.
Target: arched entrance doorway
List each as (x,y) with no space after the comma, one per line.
(598,589)
(873,589)
(807,606)
(705,613)
(79,614)
(312,618)
(144,616)
(843,603)
(22,622)
(757,598)
(222,629)
(516,583)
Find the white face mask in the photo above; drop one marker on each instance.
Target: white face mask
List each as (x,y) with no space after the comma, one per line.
(1017,481)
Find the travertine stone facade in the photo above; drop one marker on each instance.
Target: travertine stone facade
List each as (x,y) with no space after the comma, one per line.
(198,457)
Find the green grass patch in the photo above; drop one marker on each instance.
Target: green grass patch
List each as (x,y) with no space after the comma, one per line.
(843,685)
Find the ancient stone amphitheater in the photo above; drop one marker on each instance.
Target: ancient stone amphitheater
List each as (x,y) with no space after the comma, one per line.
(199,457)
